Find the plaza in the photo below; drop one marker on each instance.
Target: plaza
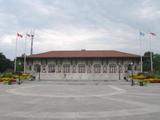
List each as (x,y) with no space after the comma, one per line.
(79,100)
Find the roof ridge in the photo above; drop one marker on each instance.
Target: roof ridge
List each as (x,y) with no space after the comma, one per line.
(76,50)
(84,53)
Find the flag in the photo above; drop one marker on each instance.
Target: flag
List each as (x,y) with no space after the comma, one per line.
(141,34)
(19,35)
(152,33)
(28,35)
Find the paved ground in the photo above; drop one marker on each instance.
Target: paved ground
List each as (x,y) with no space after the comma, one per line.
(79,101)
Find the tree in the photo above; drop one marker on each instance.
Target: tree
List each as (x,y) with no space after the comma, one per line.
(5,63)
(156,62)
(147,62)
(19,64)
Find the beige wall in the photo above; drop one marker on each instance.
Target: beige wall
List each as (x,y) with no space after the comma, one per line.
(83,76)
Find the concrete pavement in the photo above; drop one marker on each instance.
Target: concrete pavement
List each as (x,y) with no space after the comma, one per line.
(79,101)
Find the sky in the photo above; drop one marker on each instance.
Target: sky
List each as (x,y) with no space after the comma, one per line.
(79,24)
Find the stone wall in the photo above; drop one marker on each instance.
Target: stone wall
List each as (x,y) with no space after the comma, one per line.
(81,76)
(91,69)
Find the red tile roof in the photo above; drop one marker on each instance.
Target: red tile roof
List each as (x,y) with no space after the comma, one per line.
(84,54)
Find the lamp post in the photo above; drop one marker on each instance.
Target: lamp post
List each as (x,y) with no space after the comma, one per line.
(132,82)
(19,80)
(39,71)
(119,71)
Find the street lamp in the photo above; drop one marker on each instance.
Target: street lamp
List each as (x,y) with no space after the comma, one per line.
(19,80)
(39,71)
(132,82)
(119,71)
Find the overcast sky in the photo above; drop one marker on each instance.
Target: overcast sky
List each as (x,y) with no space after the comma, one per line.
(80,24)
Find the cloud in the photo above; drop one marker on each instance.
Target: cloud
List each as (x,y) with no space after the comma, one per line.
(84,38)
(79,24)
(66,38)
(148,11)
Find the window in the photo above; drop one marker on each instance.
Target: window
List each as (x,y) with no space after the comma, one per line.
(51,68)
(59,68)
(43,68)
(43,62)
(37,68)
(74,69)
(112,68)
(135,68)
(81,68)
(130,67)
(97,68)
(30,67)
(66,68)
(126,68)
(120,69)
(105,69)
(89,69)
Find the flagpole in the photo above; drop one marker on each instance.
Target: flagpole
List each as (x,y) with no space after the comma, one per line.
(151,59)
(15,60)
(141,54)
(32,36)
(25,55)
(141,49)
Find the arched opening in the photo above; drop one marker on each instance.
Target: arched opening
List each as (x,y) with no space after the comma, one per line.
(37,68)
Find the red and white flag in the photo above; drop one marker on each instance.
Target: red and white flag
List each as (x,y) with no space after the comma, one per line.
(151,33)
(19,35)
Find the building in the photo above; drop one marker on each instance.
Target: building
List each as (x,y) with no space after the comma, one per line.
(82,65)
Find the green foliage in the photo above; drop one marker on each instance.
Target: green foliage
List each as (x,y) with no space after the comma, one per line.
(147,63)
(19,65)
(5,63)
(150,76)
(7,75)
(157,74)
(156,62)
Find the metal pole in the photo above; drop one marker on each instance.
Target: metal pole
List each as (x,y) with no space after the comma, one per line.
(25,55)
(19,80)
(119,73)
(15,60)
(141,54)
(151,59)
(31,45)
(141,64)
(39,76)
(32,36)
(39,70)
(132,82)
(132,78)
(19,73)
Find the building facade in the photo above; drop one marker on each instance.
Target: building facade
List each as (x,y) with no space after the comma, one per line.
(82,65)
